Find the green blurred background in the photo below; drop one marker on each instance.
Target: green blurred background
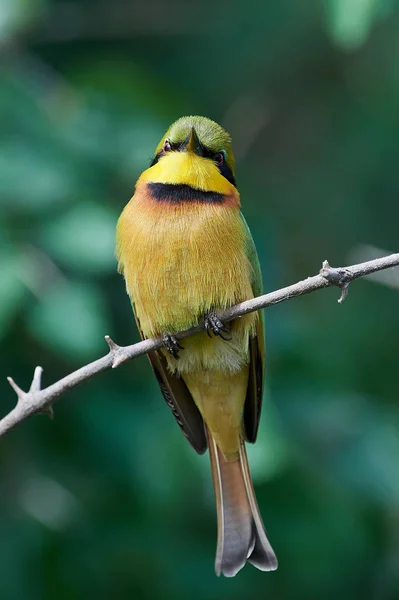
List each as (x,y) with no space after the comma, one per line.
(108,501)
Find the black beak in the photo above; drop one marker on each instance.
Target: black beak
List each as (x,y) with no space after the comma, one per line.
(192,143)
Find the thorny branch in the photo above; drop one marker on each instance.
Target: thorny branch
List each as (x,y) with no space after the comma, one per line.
(38,400)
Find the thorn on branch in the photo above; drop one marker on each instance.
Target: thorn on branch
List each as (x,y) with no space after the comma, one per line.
(37,380)
(118,360)
(35,387)
(111,344)
(339,277)
(49,411)
(20,393)
(113,349)
(344,292)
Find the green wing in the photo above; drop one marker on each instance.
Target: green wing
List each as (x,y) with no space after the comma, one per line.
(253,401)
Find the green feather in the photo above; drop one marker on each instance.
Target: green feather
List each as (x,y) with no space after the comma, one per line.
(253,401)
(257,284)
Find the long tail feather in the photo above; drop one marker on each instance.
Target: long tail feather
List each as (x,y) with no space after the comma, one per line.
(241,534)
(262,556)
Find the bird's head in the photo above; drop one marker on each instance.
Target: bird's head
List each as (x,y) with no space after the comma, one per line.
(197,152)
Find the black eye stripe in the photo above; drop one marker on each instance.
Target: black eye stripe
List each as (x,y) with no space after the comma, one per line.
(227,173)
(156,158)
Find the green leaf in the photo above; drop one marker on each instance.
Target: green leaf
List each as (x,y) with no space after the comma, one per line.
(83,238)
(71,319)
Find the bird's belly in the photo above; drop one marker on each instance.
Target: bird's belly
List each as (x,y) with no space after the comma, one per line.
(180,262)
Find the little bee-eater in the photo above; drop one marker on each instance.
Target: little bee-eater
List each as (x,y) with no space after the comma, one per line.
(186,253)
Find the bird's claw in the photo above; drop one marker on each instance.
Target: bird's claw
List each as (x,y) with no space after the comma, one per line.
(215,325)
(172,345)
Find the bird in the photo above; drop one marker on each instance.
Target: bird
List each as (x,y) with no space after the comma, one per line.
(186,253)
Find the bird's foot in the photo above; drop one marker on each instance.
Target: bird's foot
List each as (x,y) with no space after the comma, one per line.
(212,323)
(172,345)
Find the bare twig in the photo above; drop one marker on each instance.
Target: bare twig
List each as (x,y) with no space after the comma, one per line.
(38,400)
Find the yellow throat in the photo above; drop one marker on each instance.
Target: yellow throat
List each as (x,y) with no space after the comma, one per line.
(189,169)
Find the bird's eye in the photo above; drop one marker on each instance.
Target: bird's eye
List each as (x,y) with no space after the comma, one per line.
(219,158)
(167,146)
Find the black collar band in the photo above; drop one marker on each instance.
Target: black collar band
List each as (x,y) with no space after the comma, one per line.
(180,192)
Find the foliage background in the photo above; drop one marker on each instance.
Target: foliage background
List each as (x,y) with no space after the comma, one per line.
(109,501)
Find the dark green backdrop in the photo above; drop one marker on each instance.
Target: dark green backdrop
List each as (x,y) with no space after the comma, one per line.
(108,501)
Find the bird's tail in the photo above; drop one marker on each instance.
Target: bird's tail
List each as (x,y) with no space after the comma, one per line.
(241,534)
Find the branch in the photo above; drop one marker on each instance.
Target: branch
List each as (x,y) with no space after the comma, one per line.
(38,400)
